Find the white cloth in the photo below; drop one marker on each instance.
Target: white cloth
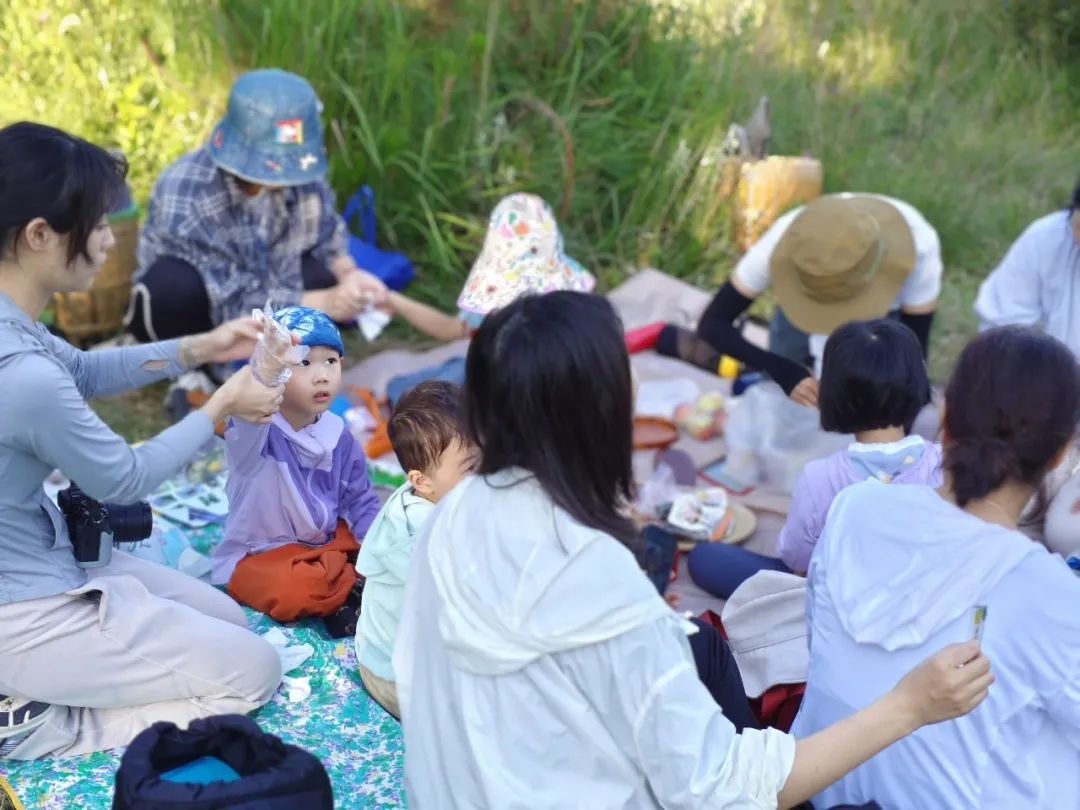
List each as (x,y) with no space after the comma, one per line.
(895,577)
(1037,283)
(765,621)
(297,687)
(537,667)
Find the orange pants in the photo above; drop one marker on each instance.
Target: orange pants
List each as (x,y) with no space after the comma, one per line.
(298,580)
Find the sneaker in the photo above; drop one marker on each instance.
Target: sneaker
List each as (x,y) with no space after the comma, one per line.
(190,390)
(18,718)
(342,622)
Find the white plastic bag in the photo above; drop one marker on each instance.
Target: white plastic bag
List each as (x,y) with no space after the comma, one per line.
(770,439)
(659,489)
(274,354)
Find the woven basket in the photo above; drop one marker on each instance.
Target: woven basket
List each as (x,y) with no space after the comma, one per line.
(767,188)
(100,311)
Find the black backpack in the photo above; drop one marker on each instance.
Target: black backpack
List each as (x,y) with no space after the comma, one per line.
(273,775)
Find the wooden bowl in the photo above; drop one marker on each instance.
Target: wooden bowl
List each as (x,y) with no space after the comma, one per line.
(654,433)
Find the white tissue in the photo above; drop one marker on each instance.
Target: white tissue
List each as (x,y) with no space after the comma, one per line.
(372,321)
(292,656)
(296,689)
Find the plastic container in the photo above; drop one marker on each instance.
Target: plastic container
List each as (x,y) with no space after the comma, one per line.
(767,188)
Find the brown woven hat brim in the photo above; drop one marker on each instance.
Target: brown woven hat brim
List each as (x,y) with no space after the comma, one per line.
(873,301)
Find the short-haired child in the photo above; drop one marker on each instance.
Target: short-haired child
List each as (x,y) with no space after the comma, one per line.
(430,443)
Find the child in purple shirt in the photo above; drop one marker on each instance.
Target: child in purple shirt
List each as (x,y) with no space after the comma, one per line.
(873,385)
(299,494)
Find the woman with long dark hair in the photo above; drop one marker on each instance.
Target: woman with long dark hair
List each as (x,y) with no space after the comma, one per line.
(537,665)
(900,571)
(90,656)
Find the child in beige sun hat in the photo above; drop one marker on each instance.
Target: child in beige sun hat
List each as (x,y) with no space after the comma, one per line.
(522,253)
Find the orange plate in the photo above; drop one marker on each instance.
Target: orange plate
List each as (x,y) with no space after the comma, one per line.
(654,433)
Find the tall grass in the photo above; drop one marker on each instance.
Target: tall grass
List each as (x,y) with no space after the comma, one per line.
(148,76)
(612,109)
(446,106)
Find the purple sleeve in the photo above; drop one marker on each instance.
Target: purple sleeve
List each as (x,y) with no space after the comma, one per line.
(358,503)
(244,444)
(802,529)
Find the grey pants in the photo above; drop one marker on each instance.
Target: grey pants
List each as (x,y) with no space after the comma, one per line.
(136,644)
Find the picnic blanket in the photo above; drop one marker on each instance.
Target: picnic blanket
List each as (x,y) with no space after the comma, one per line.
(359,744)
(646,297)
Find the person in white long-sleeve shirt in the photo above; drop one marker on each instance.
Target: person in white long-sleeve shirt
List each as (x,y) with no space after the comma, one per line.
(536,665)
(899,571)
(1038,284)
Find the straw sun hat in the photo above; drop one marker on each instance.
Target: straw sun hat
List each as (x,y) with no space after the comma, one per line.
(844,258)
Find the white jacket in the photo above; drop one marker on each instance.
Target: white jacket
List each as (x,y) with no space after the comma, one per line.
(895,577)
(1037,283)
(538,668)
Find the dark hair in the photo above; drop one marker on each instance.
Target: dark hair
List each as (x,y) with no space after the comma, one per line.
(873,376)
(548,390)
(68,182)
(425,422)
(1074,205)
(1012,404)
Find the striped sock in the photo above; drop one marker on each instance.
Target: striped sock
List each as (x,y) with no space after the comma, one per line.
(9,744)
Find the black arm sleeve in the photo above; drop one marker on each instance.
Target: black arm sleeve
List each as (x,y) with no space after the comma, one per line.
(717,327)
(920,325)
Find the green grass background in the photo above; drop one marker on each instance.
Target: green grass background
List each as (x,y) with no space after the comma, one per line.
(611,108)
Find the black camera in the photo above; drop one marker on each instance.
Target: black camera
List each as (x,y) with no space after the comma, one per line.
(94,526)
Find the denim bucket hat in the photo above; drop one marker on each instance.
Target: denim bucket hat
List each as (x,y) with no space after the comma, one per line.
(271,133)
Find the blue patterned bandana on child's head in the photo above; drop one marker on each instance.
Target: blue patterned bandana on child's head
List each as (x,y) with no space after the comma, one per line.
(313,327)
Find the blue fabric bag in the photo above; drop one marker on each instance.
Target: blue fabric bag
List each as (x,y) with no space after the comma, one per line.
(395,269)
(218,763)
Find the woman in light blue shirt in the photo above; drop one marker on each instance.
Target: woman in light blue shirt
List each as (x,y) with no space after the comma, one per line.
(93,655)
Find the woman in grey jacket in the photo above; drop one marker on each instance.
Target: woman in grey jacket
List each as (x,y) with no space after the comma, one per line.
(91,656)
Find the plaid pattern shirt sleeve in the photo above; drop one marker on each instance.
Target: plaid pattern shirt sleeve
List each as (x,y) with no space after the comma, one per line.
(246,253)
(333,238)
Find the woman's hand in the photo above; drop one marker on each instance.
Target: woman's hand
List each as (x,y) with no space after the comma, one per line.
(233,340)
(370,286)
(245,398)
(359,289)
(949,685)
(805,393)
(355,292)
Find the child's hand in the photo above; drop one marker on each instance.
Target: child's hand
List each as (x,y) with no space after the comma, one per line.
(805,393)
(673,599)
(276,351)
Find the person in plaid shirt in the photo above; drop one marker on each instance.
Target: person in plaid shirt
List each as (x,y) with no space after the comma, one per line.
(246,219)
